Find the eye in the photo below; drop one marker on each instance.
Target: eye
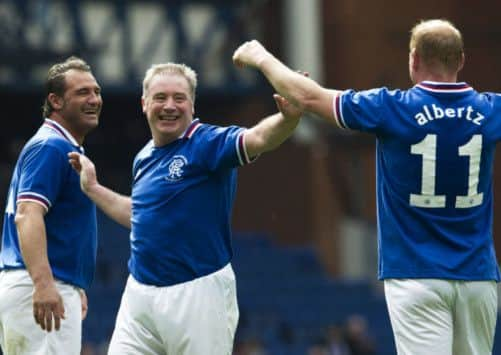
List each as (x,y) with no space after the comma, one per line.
(179,98)
(159,98)
(83,91)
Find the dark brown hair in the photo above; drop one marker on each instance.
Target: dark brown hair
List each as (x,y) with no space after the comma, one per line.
(55,82)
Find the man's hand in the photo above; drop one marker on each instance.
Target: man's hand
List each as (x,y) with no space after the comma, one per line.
(85,303)
(85,168)
(47,305)
(250,53)
(288,110)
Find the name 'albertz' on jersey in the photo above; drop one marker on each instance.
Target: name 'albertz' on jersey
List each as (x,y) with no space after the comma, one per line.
(435,112)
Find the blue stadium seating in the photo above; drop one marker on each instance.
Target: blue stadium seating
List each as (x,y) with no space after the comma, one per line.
(287,301)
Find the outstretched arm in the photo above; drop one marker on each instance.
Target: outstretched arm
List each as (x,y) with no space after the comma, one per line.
(116,206)
(299,90)
(273,130)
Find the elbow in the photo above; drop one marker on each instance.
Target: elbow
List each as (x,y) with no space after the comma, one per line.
(28,212)
(20,216)
(127,218)
(127,223)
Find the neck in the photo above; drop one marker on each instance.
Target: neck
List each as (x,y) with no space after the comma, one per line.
(59,119)
(440,77)
(162,140)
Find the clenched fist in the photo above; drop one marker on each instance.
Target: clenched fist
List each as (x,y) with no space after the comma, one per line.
(250,53)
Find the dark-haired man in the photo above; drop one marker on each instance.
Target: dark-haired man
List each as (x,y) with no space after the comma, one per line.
(49,232)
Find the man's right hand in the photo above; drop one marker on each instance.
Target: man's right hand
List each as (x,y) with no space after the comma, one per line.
(85,168)
(47,305)
(250,53)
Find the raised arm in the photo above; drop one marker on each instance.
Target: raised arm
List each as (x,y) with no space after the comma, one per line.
(298,89)
(272,131)
(116,206)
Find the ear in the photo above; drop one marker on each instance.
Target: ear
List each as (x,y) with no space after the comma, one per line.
(57,102)
(143,104)
(461,63)
(414,60)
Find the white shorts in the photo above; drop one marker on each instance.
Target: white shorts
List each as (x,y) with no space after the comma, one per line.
(198,317)
(433,316)
(20,334)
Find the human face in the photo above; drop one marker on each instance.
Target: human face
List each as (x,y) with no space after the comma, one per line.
(168,107)
(80,106)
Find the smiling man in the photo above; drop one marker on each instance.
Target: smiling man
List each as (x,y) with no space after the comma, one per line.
(49,234)
(181,295)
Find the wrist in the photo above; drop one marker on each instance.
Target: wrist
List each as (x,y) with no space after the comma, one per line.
(92,189)
(42,280)
(264,59)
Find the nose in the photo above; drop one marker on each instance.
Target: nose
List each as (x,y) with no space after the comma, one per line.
(169,104)
(95,99)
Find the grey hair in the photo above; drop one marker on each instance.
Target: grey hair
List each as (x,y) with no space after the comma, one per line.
(171,68)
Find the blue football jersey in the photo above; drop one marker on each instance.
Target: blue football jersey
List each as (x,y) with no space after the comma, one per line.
(182,199)
(434,160)
(43,175)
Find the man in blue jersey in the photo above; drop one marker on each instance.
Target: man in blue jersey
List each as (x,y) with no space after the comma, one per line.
(435,148)
(48,249)
(181,295)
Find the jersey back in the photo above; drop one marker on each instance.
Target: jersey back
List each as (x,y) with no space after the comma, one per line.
(434,160)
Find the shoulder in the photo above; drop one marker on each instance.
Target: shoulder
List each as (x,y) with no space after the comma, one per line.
(493,97)
(375,94)
(47,145)
(145,151)
(207,131)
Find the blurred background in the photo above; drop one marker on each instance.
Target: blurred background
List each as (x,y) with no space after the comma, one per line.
(304,218)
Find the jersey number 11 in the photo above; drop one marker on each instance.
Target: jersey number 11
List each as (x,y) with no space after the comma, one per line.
(427,148)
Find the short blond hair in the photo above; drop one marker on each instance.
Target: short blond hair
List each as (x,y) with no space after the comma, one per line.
(171,68)
(438,42)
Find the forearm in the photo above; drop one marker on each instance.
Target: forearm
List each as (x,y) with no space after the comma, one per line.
(298,89)
(270,133)
(118,207)
(33,244)
(295,87)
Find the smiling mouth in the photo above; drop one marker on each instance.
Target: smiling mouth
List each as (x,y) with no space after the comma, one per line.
(168,118)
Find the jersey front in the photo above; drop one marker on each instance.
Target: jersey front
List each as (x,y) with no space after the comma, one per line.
(182,198)
(434,156)
(43,175)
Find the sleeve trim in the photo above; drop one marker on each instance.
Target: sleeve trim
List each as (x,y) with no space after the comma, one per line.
(34,197)
(243,157)
(338,112)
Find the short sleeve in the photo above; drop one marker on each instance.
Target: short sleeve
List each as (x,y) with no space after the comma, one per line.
(223,147)
(42,174)
(492,102)
(362,110)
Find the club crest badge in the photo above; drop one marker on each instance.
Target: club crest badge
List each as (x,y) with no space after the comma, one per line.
(175,168)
